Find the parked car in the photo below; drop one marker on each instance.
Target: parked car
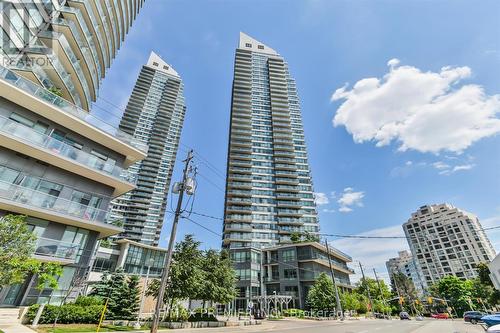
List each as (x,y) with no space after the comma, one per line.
(440,315)
(491,320)
(494,329)
(473,317)
(404,316)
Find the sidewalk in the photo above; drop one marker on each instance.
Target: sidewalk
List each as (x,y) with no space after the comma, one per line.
(15,328)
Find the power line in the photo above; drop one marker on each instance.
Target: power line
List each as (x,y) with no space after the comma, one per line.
(208,216)
(201,226)
(363,237)
(215,171)
(212,183)
(341,235)
(273,260)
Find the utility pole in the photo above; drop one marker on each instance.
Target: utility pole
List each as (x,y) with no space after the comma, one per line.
(379,287)
(398,292)
(168,259)
(367,287)
(339,306)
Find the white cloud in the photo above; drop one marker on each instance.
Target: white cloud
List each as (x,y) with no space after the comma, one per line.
(349,199)
(446,169)
(440,165)
(463,167)
(373,253)
(345,209)
(423,111)
(327,210)
(321,198)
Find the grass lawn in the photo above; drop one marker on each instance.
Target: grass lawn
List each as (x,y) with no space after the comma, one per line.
(77,328)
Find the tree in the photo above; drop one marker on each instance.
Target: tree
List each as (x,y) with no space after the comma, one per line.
(218,283)
(186,275)
(17,245)
(376,293)
(350,301)
(123,292)
(303,237)
(484,290)
(404,286)
(295,237)
(456,291)
(321,296)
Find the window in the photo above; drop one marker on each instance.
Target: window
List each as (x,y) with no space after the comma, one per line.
(261,47)
(155,64)
(165,67)
(37,126)
(7,177)
(103,162)
(290,274)
(20,119)
(288,255)
(61,136)
(248,45)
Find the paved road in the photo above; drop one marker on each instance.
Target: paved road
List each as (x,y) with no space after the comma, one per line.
(361,326)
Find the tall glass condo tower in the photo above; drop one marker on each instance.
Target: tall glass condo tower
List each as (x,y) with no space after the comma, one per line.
(269,192)
(154,116)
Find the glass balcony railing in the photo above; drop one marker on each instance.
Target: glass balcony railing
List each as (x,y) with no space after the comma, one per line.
(37,91)
(56,249)
(41,200)
(95,25)
(75,63)
(59,148)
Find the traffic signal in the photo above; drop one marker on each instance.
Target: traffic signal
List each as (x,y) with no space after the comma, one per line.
(429,300)
(417,302)
(401,300)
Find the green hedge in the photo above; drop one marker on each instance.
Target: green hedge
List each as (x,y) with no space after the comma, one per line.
(67,314)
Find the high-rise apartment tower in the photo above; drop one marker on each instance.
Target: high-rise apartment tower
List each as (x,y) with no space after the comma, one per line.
(64,45)
(154,116)
(60,166)
(269,194)
(446,240)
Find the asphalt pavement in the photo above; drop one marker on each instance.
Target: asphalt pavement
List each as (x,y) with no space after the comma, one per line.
(351,326)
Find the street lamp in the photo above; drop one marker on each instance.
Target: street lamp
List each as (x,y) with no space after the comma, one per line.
(150,263)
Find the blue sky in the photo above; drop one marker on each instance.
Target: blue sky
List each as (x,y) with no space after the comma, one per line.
(329,44)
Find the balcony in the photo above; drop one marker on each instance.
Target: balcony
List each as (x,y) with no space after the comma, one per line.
(28,141)
(239,201)
(51,250)
(25,200)
(41,101)
(239,209)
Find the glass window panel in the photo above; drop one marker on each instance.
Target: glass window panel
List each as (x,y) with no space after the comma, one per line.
(20,119)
